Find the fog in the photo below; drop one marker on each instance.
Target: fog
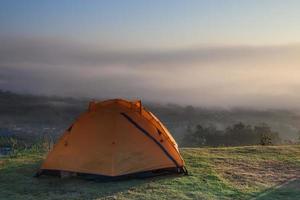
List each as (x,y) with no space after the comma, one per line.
(222,76)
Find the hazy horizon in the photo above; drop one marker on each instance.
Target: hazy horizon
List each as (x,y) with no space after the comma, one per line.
(203,53)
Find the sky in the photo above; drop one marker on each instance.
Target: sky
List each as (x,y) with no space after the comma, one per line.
(223,53)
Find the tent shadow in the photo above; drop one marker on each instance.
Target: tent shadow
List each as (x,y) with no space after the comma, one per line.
(289,190)
(18,183)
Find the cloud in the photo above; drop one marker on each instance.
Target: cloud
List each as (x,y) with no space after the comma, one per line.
(256,76)
(64,52)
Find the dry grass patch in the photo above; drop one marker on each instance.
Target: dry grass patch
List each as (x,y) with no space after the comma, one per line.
(255,169)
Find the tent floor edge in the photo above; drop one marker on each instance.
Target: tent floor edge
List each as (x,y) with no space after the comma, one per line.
(97,177)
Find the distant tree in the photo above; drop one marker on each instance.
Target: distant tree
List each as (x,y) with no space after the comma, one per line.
(267,136)
(239,134)
(194,138)
(265,139)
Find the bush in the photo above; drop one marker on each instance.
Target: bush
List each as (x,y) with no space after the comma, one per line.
(16,146)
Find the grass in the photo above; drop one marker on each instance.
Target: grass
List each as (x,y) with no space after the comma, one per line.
(215,173)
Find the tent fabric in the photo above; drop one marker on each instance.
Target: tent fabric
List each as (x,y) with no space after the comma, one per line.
(115,138)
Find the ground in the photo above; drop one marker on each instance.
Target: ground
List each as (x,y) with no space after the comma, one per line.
(253,172)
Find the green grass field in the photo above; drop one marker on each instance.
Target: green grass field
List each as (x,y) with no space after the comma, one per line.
(253,172)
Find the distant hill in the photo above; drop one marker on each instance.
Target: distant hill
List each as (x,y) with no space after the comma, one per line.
(34,114)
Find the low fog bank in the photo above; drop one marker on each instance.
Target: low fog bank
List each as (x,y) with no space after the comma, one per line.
(219,76)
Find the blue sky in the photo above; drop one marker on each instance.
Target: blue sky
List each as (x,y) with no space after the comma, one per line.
(209,53)
(155,24)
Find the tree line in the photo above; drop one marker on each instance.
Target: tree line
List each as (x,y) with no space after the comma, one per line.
(239,134)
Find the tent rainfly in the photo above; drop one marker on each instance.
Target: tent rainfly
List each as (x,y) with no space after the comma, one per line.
(114,138)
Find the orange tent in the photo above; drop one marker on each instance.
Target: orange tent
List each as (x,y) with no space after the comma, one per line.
(115,138)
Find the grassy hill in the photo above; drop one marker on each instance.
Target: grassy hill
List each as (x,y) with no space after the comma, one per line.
(215,173)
